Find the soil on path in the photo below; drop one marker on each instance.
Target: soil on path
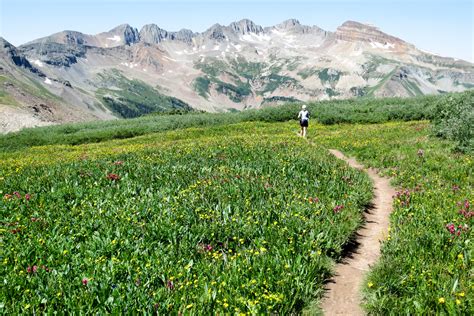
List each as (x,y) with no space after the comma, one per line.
(343,291)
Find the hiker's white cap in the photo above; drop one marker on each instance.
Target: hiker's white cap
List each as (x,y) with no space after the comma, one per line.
(304,106)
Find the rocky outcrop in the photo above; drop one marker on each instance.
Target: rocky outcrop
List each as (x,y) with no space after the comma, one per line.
(10,52)
(354,31)
(288,24)
(61,55)
(245,26)
(130,34)
(183,35)
(294,26)
(152,34)
(215,32)
(74,38)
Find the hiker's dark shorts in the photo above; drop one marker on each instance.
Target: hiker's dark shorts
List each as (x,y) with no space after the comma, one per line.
(304,123)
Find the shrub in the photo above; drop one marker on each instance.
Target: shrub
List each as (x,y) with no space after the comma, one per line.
(454,119)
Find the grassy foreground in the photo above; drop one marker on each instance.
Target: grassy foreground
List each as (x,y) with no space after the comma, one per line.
(149,222)
(239,219)
(427,262)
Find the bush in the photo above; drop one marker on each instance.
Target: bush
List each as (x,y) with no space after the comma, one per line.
(454,119)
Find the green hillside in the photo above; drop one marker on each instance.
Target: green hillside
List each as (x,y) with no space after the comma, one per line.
(234,213)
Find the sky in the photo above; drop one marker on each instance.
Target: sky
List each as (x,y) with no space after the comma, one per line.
(442,27)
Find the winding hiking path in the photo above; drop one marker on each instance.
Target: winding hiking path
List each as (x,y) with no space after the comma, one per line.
(343,290)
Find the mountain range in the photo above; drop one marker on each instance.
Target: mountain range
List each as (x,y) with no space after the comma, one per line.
(125,72)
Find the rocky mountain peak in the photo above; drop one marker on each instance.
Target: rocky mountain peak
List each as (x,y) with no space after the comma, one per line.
(245,26)
(355,31)
(288,24)
(74,38)
(184,35)
(294,26)
(12,54)
(215,32)
(5,46)
(130,34)
(152,34)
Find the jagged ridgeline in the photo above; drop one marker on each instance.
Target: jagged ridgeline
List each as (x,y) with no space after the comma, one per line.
(126,72)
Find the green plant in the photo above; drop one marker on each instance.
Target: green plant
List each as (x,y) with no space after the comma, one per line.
(228,219)
(454,119)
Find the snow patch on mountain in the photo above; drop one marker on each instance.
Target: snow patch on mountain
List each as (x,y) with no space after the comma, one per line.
(115,38)
(38,63)
(252,37)
(383,46)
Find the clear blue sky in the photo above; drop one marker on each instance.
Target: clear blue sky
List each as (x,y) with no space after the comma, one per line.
(439,26)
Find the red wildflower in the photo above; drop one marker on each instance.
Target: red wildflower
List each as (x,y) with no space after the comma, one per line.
(451,228)
(27,196)
(403,197)
(338,208)
(85,281)
(113,177)
(16,230)
(17,194)
(313,199)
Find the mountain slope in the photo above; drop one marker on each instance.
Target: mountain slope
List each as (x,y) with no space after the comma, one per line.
(242,65)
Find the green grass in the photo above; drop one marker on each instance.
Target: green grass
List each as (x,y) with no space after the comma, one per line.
(276,81)
(214,220)
(212,66)
(188,226)
(32,87)
(325,75)
(411,87)
(201,85)
(331,92)
(247,69)
(329,75)
(133,98)
(424,269)
(6,98)
(360,110)
(236,92)
(381,83)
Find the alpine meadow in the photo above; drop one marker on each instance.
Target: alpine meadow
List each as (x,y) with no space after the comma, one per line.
(240,169)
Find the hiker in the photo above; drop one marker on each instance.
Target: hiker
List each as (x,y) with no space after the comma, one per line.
(303,116)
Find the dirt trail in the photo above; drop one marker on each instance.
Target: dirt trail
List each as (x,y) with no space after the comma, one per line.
(343,291)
